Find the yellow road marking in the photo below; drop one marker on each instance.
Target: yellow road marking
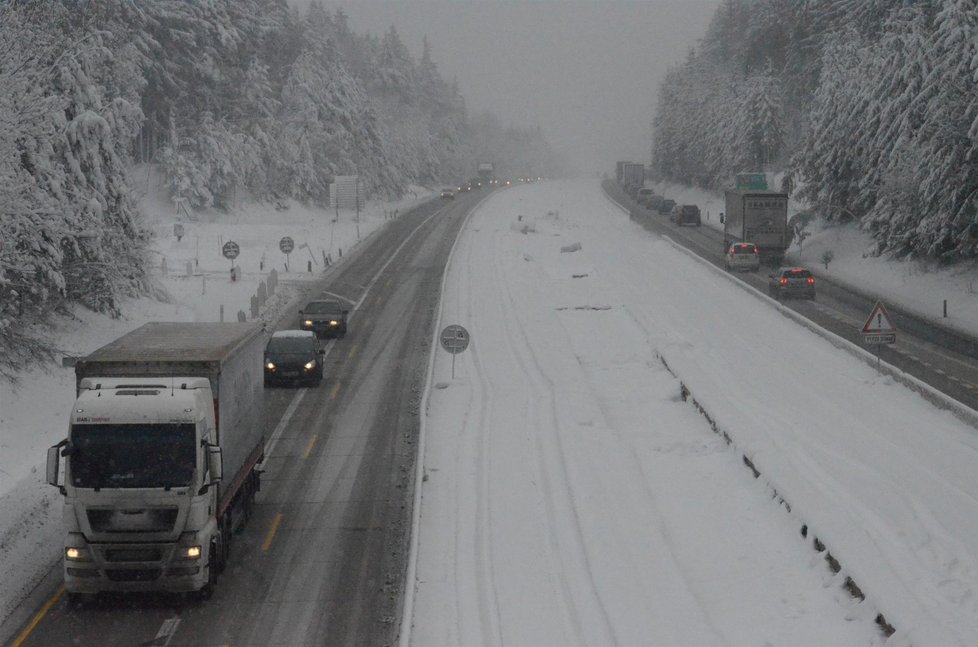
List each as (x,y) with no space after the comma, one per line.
(312,442)
(25,634)
(271,532)
(334,391)
(353,351)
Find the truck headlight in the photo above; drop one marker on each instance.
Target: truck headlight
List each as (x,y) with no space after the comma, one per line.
(307,322)
(310,365)
(333,322)
(270,366)
(78,554)
(189,552)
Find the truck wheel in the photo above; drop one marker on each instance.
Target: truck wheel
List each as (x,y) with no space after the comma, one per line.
(207,590)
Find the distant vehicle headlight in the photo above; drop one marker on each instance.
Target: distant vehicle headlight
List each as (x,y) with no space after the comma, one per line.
(310,365)
(270,366)
(307,322)
(334,322)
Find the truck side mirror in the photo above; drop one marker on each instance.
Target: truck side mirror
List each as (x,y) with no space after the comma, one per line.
(54,465)
(215,463)
(215,466)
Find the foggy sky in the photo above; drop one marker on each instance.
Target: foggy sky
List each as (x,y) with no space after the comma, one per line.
(587,72)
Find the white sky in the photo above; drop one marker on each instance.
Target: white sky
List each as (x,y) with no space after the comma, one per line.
(587,72)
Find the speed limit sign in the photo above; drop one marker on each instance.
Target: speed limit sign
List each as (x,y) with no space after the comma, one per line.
(286,244)
(454,339)
(231,250)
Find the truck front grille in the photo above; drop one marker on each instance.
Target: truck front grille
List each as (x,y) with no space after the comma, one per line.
(133,554)
(135,520)
(132,574)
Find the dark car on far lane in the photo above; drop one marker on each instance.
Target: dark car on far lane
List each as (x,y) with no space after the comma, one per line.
(685,214)
(791,281)
(325,317)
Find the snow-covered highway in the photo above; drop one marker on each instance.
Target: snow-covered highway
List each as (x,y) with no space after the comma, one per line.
(571,496)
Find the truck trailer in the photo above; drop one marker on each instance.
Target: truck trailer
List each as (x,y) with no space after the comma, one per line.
(759,217)
(632,175)
(161,462)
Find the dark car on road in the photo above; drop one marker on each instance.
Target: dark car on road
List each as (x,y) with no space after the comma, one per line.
(685,214)
(790,282)
(654,202)
(643,195)
(293,356)
(666,205)
(325,317)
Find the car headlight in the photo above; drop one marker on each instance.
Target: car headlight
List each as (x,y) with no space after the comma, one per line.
(310,365)
(307,322)
(270,366)
(78,554)
(334,322)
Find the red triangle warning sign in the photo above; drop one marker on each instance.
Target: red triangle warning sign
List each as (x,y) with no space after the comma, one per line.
(879,321)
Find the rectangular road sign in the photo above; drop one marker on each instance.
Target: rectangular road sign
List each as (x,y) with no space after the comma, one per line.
(880,338)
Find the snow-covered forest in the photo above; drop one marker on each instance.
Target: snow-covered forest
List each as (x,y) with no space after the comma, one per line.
(870,107)
(242,100)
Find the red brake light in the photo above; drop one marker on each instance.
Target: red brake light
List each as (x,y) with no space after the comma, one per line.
(783,281)
(811,280)
(756,252)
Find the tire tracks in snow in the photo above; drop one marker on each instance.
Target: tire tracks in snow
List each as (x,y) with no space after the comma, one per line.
(559,500)
(490,622)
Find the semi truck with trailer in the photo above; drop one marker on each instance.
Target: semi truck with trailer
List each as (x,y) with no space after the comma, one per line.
(632,175)
(161,462)
(759,217)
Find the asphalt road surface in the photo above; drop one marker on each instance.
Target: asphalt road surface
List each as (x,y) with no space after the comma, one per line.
(323,558)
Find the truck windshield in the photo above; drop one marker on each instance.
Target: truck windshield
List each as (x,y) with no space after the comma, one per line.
(132,456)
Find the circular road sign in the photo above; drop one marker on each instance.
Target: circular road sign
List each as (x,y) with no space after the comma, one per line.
(286,244)
(231,250)
(454,339)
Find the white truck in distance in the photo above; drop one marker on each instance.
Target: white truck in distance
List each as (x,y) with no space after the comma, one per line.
(161,459)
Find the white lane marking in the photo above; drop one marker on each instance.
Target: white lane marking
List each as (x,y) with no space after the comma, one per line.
(390,260)
(287,416)
(338,296)
(165,634)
